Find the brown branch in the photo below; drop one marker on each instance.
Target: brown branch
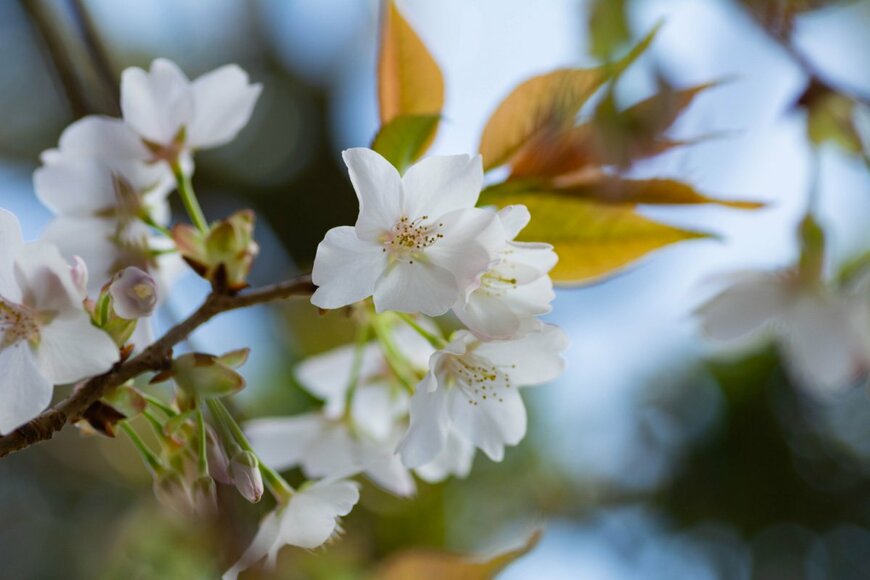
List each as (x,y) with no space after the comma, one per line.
(153,358)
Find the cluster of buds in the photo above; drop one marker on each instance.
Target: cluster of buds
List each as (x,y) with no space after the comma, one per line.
(224,254)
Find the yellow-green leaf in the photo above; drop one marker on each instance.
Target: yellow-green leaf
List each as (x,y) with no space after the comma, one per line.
(616,190)
(434,565)
(409,80)
(546,103)
(593,240)
(404,139)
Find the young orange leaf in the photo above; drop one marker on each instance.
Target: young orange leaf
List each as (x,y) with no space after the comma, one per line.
(409,80)
(657,191)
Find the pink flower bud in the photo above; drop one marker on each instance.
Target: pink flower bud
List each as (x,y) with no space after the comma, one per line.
(134,294)
(218,464)
(245,471)
(79,273)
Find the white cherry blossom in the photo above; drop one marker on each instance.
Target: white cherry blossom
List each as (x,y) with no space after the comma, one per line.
(326,447)
(308,520)
(46,337)
(174,114)
(419,245)
(819,329)
(102,189)
(473,387)
(514,289)
(454,460)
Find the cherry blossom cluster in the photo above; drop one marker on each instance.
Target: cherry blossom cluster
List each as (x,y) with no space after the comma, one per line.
(445,299)
(404,399)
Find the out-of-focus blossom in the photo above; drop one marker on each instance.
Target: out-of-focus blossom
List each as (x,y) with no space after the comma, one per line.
(308,519)
(516,288)
(824,342)
(103,191)
(173,114)
(326,448)
(419,244)
(473,387)
(46,337)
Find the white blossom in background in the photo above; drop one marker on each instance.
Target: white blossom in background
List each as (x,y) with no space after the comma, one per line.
(46,337)
(102,190)
(472,387)
(326,447)
(454,460)
(820,330)
(419,244)
(175,115)
(516,288)
(329,442)
(308,520)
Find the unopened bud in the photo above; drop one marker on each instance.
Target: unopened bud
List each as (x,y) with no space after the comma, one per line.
(224,254)
(245,471)
(171,491)
(79,273)
(204,497)
(204,375)
(134,294)
(218,463)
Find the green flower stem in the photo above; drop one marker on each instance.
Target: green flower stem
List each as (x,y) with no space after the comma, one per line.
(188,198)
(202,457)
(155,423)
(436,341)
(276,484)
(150,222)
(158,404)
(395,359)
(148,456)
(362,337)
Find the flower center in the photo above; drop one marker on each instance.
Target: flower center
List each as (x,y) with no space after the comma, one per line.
(479,379)
(17,323)
(408,238)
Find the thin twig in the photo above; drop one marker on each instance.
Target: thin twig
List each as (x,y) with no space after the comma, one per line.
(153,358)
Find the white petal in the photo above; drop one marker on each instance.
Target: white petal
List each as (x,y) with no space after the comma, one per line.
(417,287)
(745,309)
(345,268)
(513,219)
(332,453)
(91,240)
(531,359)
(265,542)
(487,315)
(102,138)
(375,408)
(430,422)
(311,517)
(46,281)
(455,459)
(10,243)
(282,442)
(471,242)
(492,423)
(526,262)
(158,103)
(378,187)
(71,348)
(224,100)
(440,184)
(80,188)
(24,391)
(327,375)
(821,346)
(385,469)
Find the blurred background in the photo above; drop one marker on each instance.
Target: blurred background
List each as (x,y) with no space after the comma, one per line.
(649,458)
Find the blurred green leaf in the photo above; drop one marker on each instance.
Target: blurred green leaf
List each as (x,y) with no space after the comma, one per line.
(608,27)
(405,138)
